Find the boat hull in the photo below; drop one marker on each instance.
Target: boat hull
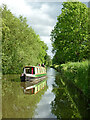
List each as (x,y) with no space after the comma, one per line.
(32,78)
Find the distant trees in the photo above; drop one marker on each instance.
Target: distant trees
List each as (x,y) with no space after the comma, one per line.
(20,44)
(48,61)
(70,35)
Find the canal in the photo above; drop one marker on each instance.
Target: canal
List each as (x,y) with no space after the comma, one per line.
(59,99)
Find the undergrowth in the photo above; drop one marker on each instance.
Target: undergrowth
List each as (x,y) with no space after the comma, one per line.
(78,73)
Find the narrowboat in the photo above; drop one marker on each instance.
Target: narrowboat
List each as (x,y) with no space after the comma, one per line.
(33,87)
(33,72)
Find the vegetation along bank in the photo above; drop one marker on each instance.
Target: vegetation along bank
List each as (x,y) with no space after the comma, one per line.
(70,41)
(21,46)
(78,73)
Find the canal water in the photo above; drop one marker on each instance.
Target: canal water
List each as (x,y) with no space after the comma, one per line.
(43,109)
(59,99)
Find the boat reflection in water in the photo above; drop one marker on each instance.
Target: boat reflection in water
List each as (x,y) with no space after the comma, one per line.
(32,87)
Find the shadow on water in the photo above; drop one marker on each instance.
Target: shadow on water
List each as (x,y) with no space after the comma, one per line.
(69,101)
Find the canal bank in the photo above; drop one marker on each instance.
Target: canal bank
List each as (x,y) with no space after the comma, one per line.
(77,73)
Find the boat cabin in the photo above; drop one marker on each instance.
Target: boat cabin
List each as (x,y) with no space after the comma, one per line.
(33,72)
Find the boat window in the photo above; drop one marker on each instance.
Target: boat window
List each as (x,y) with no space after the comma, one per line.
(37,70)
(30,70)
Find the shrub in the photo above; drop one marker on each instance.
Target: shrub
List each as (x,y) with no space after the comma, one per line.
(77,72)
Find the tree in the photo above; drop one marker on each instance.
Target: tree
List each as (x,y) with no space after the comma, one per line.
(70,34)
(0,37)
(21,46)
(48,60)
(42,52)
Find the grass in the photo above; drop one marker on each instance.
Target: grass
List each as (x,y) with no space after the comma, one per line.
(78,73)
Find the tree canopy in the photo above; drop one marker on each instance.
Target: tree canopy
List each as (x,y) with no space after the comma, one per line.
(70,34)
(20,44)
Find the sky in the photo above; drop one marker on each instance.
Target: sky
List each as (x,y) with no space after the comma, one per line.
(41,16)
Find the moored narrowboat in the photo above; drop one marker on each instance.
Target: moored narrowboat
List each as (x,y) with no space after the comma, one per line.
(33,72)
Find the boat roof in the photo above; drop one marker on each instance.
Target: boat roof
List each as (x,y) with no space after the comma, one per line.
(32,66)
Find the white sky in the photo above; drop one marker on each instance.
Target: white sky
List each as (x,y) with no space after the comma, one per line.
(42,16)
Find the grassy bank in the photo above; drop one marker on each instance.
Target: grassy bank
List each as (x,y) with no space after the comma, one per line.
(78,73)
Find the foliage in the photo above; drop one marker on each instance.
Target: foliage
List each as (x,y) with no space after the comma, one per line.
(48,60)
(70,35)
(78,73)
(63,106)
(69,102)
(20,44)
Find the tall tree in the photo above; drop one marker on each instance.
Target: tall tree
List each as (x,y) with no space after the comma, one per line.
(20,44)
(70,34)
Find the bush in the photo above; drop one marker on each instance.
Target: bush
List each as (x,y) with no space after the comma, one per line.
(77,72)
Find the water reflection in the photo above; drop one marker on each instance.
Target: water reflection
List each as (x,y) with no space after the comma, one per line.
(34,86)
(61,99)
(69,102)
(43,109)
(16,104)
